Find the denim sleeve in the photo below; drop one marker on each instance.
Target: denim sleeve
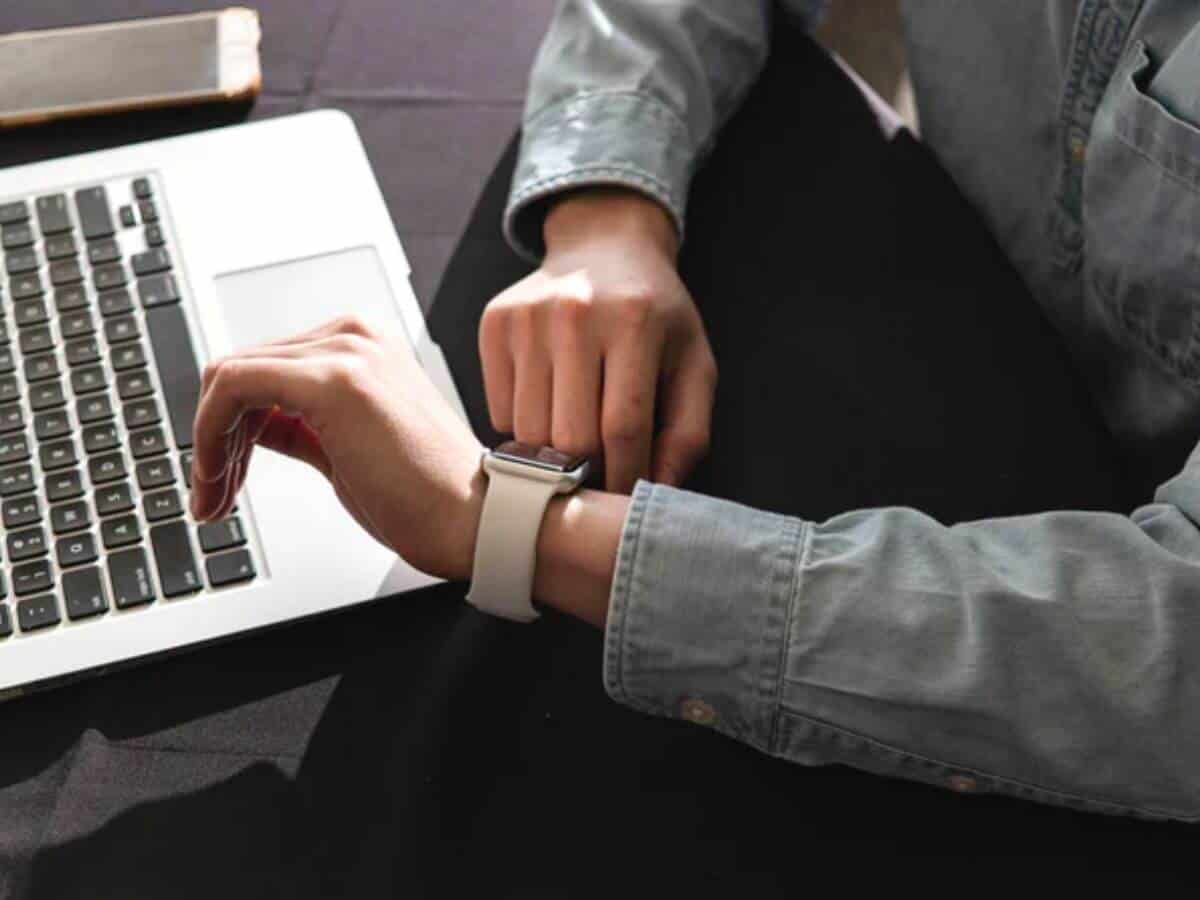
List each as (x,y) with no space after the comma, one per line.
(632,94)
(1054,657)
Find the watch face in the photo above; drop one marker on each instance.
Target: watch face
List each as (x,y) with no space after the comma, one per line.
(542,457)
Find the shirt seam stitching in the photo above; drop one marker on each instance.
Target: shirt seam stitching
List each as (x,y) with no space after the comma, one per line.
(660,108)
(801,543)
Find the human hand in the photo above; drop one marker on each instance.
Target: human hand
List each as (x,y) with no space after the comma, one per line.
(579,353)
(356,405)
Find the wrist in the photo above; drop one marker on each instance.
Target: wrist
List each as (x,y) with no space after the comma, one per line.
(607,213)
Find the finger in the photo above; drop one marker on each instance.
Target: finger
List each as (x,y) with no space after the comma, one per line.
(532,390)
(686,407)
(240,385)
(575,418)
(291,437)
(627,411)
(495,353)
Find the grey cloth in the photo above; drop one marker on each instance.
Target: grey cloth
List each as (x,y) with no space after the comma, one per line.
(1055,656)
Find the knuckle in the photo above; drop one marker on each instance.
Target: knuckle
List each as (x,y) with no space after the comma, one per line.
(621,430)
(572,310)
(635,308)
(573,442)
(352,324)
(346,374)
(693,440)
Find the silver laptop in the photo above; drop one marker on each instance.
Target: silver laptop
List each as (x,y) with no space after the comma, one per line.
(124,272)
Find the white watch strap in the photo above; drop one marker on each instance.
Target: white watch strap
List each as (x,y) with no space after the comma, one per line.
(506,546)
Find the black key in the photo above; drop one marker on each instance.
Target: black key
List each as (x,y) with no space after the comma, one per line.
(142,189)
(123,328)
(13,448)
(148,211)
(18,262)
(128,219)
(141,412)
(26,544)
(52,214)
(75,549)
(26,286)
(178,372)
(4,336)
(57,454)
(83,593)
(5,618)
(71,297)
(230,568)
(11,418)
(152,473)
(94,216)
(39,367)
(50,425)
(6,360)
(88,379)
(109,467)
(65,485)
(100,437)
(76,324)
(61,246)
(69,517)
(35,340)
(129,573)
(221,535)
(150,262)
(147,442)
(154,236)
(113,498)
(81,352)
(158,290)
(131,385)
(13,237)
(37,612)
(65,271)
(16,480)
(9,389)
(120,531)
(128,356)
(30,577)
(176,566)
(11,213)
(113,303)
(101,252)
(46,395)
(30,312)
(185,465)
(21,511)
(162,505)
(93,409)
(110,276)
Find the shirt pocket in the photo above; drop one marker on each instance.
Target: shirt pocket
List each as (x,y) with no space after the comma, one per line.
(1141,217)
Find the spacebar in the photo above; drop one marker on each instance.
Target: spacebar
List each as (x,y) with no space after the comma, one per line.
(177,368)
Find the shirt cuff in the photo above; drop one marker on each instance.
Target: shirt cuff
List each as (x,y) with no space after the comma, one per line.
(627,139)
(698,614)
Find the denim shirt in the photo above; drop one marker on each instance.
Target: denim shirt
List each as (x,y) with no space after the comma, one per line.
(880,638)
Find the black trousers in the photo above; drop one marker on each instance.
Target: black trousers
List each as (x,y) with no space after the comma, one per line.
(875,348)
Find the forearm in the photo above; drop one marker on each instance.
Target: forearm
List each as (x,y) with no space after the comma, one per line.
(577,553)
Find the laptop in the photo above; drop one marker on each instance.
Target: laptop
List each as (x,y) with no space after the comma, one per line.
(124,272)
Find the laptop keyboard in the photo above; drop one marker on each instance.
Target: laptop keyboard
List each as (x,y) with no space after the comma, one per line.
(98,389)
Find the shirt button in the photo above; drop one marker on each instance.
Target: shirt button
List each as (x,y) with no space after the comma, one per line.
(699,712)
(964,784)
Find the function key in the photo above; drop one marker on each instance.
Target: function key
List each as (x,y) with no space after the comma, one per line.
(120,531)
(230,568)
(148,210)
(64,485)
(57,454)
(69,517)
(4,337)
(101,252)
(114,303)
(52,214)
(141,412)
(221,535)
(129,573)
(150,262)
(37,612)
(13,237)
(83,593)
(11,213)
(82,352)
(147,442)
(154,236)
(6,360)
(108,467)
(128,219)
(76,324)
(70,298)
(153,473)
(30,312)
(75,550)
(131,385)
(11,418)
(128,356)
(35,340)
(185,465)
(13,448)
(65,271)
(176,566)
(9,389)
(142,189)
(122,328)
(94,216)
(97,438)
(26,286)
(49,425)
(113,498)
(26,544)
(88,379)
(158,290)
(93,409)
(16,480)
(18,262)
(109,276)
(60,246)
(31,577)
(162,505)
(46,395)
(5,616)
(39,367)
(21,511)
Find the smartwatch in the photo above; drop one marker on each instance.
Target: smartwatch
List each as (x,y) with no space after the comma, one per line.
(522,478)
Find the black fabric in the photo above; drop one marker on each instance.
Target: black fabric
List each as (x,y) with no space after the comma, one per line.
(875,349)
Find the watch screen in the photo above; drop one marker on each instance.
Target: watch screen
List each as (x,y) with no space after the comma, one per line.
(542,457)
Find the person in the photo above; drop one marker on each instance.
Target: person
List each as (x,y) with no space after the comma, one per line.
(1048,656)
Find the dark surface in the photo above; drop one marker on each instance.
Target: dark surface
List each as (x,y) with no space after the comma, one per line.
(874,350)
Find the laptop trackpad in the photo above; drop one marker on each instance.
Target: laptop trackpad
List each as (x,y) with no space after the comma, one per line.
(278,300)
